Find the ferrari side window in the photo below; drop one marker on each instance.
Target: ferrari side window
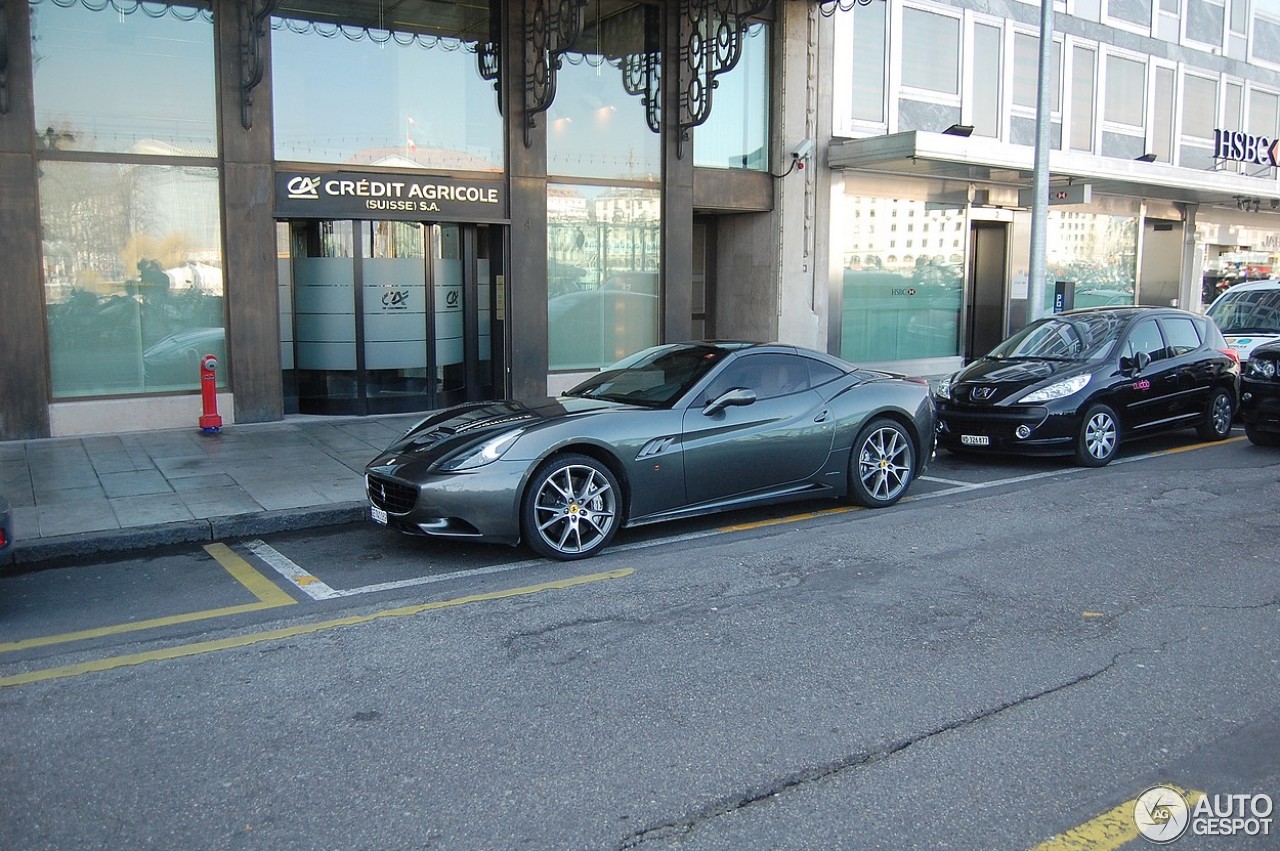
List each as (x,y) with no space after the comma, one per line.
(767,376)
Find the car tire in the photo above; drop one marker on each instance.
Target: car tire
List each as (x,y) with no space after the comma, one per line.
(881,464)
(571,508)
(1258,437)
(1099,437)
(1217,417)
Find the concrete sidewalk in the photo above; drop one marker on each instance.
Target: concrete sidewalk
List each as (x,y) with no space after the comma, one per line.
(75,496)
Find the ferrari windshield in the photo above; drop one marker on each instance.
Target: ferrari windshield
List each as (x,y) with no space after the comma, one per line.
(1248,311)
(654,378)
(1070,338)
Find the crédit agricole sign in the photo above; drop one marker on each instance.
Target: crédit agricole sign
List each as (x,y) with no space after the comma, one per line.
(359,195)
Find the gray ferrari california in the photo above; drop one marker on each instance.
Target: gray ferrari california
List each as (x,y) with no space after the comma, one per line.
(672,431)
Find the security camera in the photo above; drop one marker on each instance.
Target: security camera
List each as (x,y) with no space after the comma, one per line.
(802,151)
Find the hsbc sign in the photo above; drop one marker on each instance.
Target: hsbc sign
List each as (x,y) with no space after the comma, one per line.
(1246,148)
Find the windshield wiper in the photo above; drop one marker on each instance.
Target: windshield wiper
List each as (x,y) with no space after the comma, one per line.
(1251,330)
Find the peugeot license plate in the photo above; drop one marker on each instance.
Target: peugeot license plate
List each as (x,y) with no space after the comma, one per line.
(378,515)
(975,440)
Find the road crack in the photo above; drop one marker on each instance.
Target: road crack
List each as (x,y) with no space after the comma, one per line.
(682,827)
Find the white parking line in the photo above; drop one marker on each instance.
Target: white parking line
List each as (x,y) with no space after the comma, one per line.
(952,482)
(318,590)
(306,583)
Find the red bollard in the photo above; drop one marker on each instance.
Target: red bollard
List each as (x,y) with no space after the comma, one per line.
(210,422)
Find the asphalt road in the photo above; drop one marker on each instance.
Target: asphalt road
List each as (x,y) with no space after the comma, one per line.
(1016,653)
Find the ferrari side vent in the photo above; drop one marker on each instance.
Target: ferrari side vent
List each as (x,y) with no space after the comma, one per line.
(656,447)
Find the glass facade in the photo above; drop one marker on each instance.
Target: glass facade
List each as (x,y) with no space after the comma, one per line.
(1098,252)
(132,247)
(903,279)
(376,97)
(603,258)
(736,135)
(137,78)
(595,129)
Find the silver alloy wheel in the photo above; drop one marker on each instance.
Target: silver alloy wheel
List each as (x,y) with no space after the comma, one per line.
(1100,435)
(884,463)
(574,508)
(1221,413)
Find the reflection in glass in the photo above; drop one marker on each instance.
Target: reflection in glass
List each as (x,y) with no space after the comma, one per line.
(602,270)
(393,276)
(133,276)
(736,135)
(902,293)
(449,303)
(1095,251)
(594,128)
(119,80)
(406,99)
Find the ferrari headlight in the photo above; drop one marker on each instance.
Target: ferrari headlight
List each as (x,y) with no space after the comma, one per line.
(486,453)
(1057,390)
(1262,367)
(943,388)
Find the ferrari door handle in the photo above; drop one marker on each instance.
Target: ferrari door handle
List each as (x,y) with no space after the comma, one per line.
(822,417)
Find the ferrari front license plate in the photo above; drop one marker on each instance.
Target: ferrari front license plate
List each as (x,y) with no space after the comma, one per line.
(975,440)
(378,515)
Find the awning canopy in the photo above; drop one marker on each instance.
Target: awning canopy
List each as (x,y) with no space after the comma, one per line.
(990,164)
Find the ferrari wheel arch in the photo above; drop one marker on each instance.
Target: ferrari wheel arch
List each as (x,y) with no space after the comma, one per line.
(598,453)
(908,424)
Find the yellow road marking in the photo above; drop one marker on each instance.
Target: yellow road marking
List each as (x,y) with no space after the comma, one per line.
(269,597)
(201,647)
(791,518)
(1194,446)
(1109,830)
(259,586)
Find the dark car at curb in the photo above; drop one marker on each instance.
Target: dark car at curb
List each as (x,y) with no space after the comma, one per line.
(1081,382)
(1260,396)
(670,432)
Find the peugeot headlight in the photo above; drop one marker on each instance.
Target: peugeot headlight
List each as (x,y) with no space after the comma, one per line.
(486,453)
(1262,367)
(1057,390)
(943,388)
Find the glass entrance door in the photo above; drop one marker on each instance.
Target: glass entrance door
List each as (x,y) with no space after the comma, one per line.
(389,317)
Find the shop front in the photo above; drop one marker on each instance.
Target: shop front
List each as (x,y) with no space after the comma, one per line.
(385,307)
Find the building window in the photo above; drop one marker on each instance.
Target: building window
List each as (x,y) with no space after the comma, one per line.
(931,51)
(869,63)
(1082,98)
(1026,71)
(1162,115)
(1206,21)
(1199,106)
(985,115)
(594,128)
(736,135)
(133,276)
(1265,44)
(900,307)
(122,81)
(604,247)
(1126,91)
(1135,12)
(411,97)
(132,242)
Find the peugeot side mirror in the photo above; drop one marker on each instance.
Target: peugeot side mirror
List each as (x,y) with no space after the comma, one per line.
(1135,364)
(734,398)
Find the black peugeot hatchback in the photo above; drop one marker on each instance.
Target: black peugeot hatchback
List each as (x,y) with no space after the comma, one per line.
(1079,382)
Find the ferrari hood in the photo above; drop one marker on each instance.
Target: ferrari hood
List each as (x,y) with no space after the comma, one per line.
(455,429)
